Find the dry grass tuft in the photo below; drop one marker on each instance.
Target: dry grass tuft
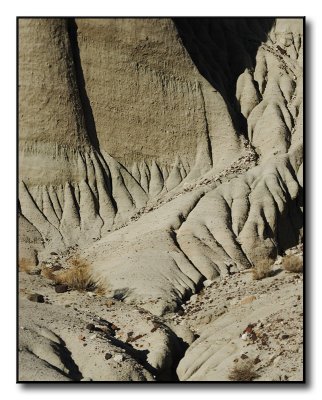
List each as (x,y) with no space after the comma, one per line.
(26,265)
(243,372)
(293,263)
(100,289)
(263,269)
(48,273)
(77,276)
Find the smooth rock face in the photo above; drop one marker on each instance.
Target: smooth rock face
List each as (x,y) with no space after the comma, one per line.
(154,118)
(164,153)
(152,109)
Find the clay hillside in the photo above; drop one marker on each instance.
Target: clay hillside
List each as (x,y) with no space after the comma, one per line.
(160,199)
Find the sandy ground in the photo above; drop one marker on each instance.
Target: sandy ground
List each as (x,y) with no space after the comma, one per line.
(85,336)
(271,310)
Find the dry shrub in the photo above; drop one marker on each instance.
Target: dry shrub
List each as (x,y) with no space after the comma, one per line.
(26,265)
(77,276)
(48,273)
(293,263)
(243,372)
(100,289)
(262,269)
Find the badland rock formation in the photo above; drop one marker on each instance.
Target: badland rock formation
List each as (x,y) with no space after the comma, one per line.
(167,152)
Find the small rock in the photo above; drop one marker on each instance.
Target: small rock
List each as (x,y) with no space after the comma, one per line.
(285,336)
(61,288)
(118,358)
(156,326)
(133,338)
(207,283)
(244,336)
(108,356)
(109,302)
(290,251)
(257,360)
(35,272)
(277,360)
(244,356)
(90,327)
(114,327)
(93,336)
(206,319)
(193,298)
(106,329)
(249,328)
(38,298)
(279,260)
(56,267)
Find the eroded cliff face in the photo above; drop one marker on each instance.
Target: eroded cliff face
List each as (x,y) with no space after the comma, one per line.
(169,151)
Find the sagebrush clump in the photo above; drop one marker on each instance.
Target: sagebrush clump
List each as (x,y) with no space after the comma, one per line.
(76,277)
(262,269)
(293,263)
(243,372)
(25,265)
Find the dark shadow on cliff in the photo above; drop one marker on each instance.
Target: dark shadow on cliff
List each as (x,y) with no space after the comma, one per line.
(86,105)
(221,49)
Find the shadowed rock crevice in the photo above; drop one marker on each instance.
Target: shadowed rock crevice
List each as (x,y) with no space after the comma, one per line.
(221,49)
(73,370)
(86,104)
